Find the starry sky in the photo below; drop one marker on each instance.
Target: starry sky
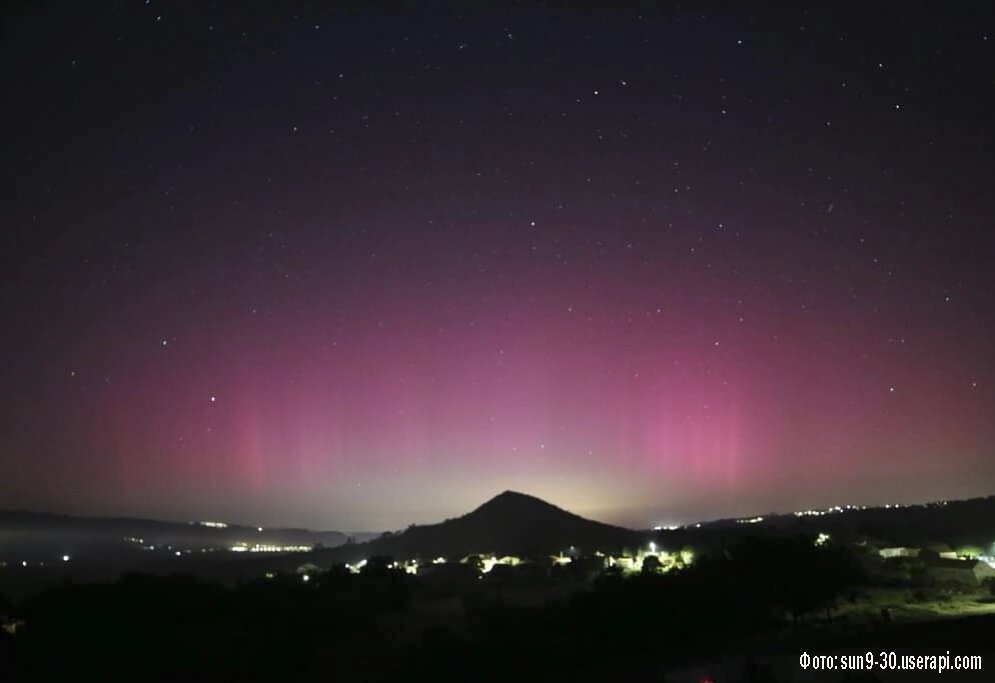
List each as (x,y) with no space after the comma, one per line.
(284,264)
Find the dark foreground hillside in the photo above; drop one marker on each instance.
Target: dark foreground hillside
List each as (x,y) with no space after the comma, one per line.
(741,614)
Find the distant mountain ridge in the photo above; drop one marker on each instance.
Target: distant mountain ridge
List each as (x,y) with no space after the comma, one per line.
(519,524)
(34,534)
(967,521)
(509,523)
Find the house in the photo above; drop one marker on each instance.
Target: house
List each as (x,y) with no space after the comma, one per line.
(941,550)
(626,563)
(962,572)
(898,551)
(10,625)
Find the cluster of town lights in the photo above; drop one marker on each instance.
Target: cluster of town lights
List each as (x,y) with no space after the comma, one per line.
(486,563)
(751,520)
(270,548)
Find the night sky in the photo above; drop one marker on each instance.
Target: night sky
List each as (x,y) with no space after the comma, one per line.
(353,269)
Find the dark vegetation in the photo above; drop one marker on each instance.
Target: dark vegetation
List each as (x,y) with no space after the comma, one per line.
(751,588)
(338,624)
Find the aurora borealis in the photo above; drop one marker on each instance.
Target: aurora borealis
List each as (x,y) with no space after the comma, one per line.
(356,270)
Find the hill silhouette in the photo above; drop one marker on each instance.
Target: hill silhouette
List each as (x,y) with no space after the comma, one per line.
(510,523)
